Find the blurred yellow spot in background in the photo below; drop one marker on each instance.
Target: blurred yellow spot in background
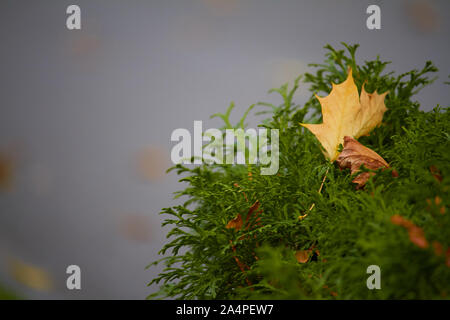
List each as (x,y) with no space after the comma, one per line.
(221,7)
(423,15)
(29,275)
(286,70)
(84,45)
(40,179)
(6,172)
(153,163)
(137,228)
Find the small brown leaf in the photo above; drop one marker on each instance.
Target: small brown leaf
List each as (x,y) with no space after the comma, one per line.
(302,256)
(235,223)
(436,173)
(438,200)
(416,234)
(253,211)
(400,221)
(354,155)
(438,249)
(397,220)
(437,204)
(447,256)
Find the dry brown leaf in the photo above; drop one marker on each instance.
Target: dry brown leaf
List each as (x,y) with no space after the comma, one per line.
(400,221)
(253,212)
(345,113)
(354,155)
(436,173)
(447,257)
(438,248)
(438,200)
(436,204)
(235,223)
(416,234)
(302,256)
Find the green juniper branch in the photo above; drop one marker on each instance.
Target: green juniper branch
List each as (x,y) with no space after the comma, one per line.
(350,229)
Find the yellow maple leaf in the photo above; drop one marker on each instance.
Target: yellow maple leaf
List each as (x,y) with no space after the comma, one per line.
(345,113)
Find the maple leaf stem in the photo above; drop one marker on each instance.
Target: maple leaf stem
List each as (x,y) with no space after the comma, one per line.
(323,180)
(319,191)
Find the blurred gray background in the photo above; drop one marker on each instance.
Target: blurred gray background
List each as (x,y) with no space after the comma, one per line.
(86,116)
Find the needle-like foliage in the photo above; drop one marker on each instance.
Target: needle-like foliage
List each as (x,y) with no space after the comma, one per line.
(347,230)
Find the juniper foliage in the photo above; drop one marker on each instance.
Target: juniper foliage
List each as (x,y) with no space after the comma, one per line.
(351,229)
